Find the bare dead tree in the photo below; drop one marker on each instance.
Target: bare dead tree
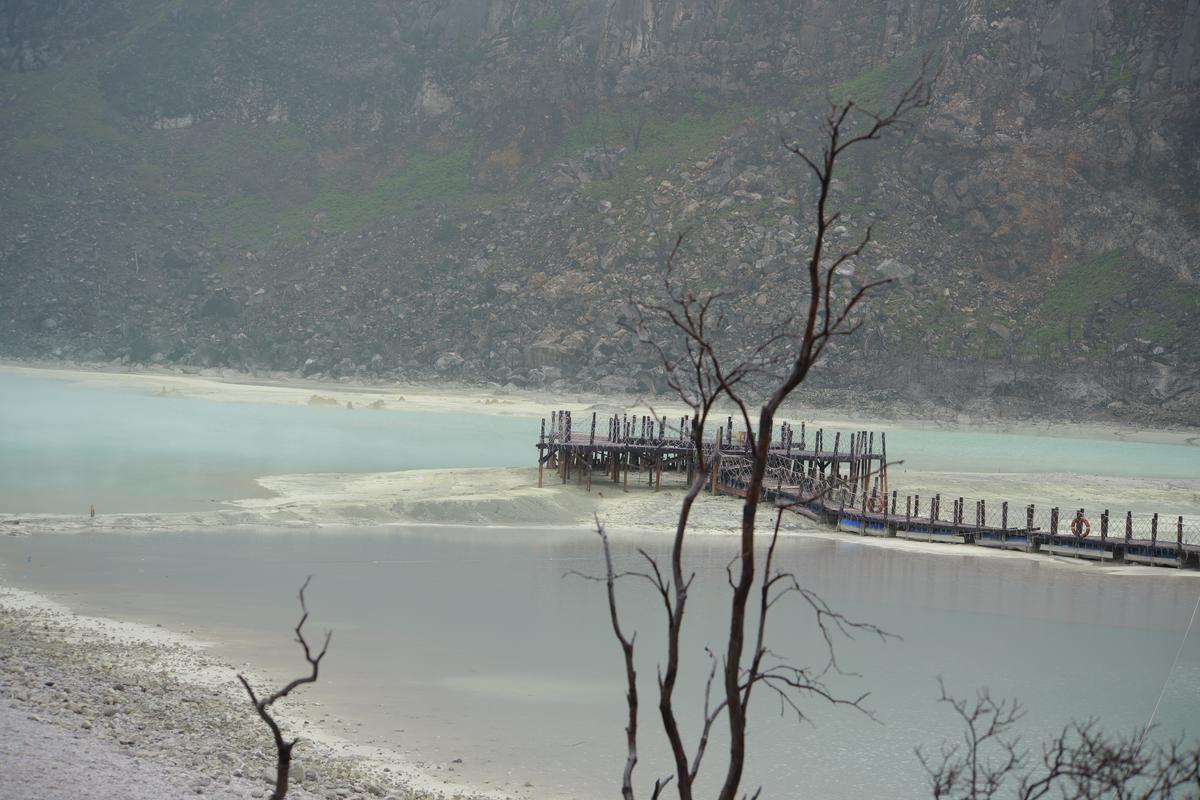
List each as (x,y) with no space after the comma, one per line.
(969,769)
(683,328)
(1082,762)
(283,746)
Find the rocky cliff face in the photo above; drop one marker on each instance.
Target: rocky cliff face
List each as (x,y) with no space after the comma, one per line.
(472,189)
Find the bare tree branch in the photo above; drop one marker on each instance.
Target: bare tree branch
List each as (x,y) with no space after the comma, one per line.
(283,746)
(685,328)
(1082,761)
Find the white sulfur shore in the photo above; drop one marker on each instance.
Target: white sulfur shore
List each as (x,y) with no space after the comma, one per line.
(94,709)
(489,497)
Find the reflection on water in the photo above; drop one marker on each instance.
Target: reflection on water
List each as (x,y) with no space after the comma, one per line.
(469,643)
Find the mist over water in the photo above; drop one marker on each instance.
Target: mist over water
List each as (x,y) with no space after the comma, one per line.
(471,643)
(65,446)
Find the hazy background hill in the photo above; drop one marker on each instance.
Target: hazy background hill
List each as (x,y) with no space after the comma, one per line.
(469,189)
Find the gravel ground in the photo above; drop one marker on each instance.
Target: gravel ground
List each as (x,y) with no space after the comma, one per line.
(43,761)
(96,710)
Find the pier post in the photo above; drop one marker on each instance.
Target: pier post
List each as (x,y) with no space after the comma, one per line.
(568,433)
(1128,527)
(868,456)
(715,458)
(835,464)
(1054,521)
(883,469)
(893,502)
(541,461)
(1104,526)
(1179,542)
(1004,515)
(917,507)
(592,435)
(1154,531)
(851,478)
(1029,510)
(982,515)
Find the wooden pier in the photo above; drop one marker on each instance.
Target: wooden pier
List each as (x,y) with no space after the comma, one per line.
(843,481)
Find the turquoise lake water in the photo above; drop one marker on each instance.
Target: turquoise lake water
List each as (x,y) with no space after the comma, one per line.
(976,451)
(64,446)
(470,643)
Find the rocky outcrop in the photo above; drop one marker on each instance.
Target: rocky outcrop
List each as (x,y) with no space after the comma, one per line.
(474,189)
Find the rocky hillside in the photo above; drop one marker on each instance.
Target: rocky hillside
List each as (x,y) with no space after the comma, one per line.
(472,189)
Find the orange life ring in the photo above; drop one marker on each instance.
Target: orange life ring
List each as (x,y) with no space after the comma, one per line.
(876,504)
(1080,527)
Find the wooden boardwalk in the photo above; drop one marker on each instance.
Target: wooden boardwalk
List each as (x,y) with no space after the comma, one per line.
(843,482)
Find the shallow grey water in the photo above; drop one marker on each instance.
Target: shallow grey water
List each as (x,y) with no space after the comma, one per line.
(470,643)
